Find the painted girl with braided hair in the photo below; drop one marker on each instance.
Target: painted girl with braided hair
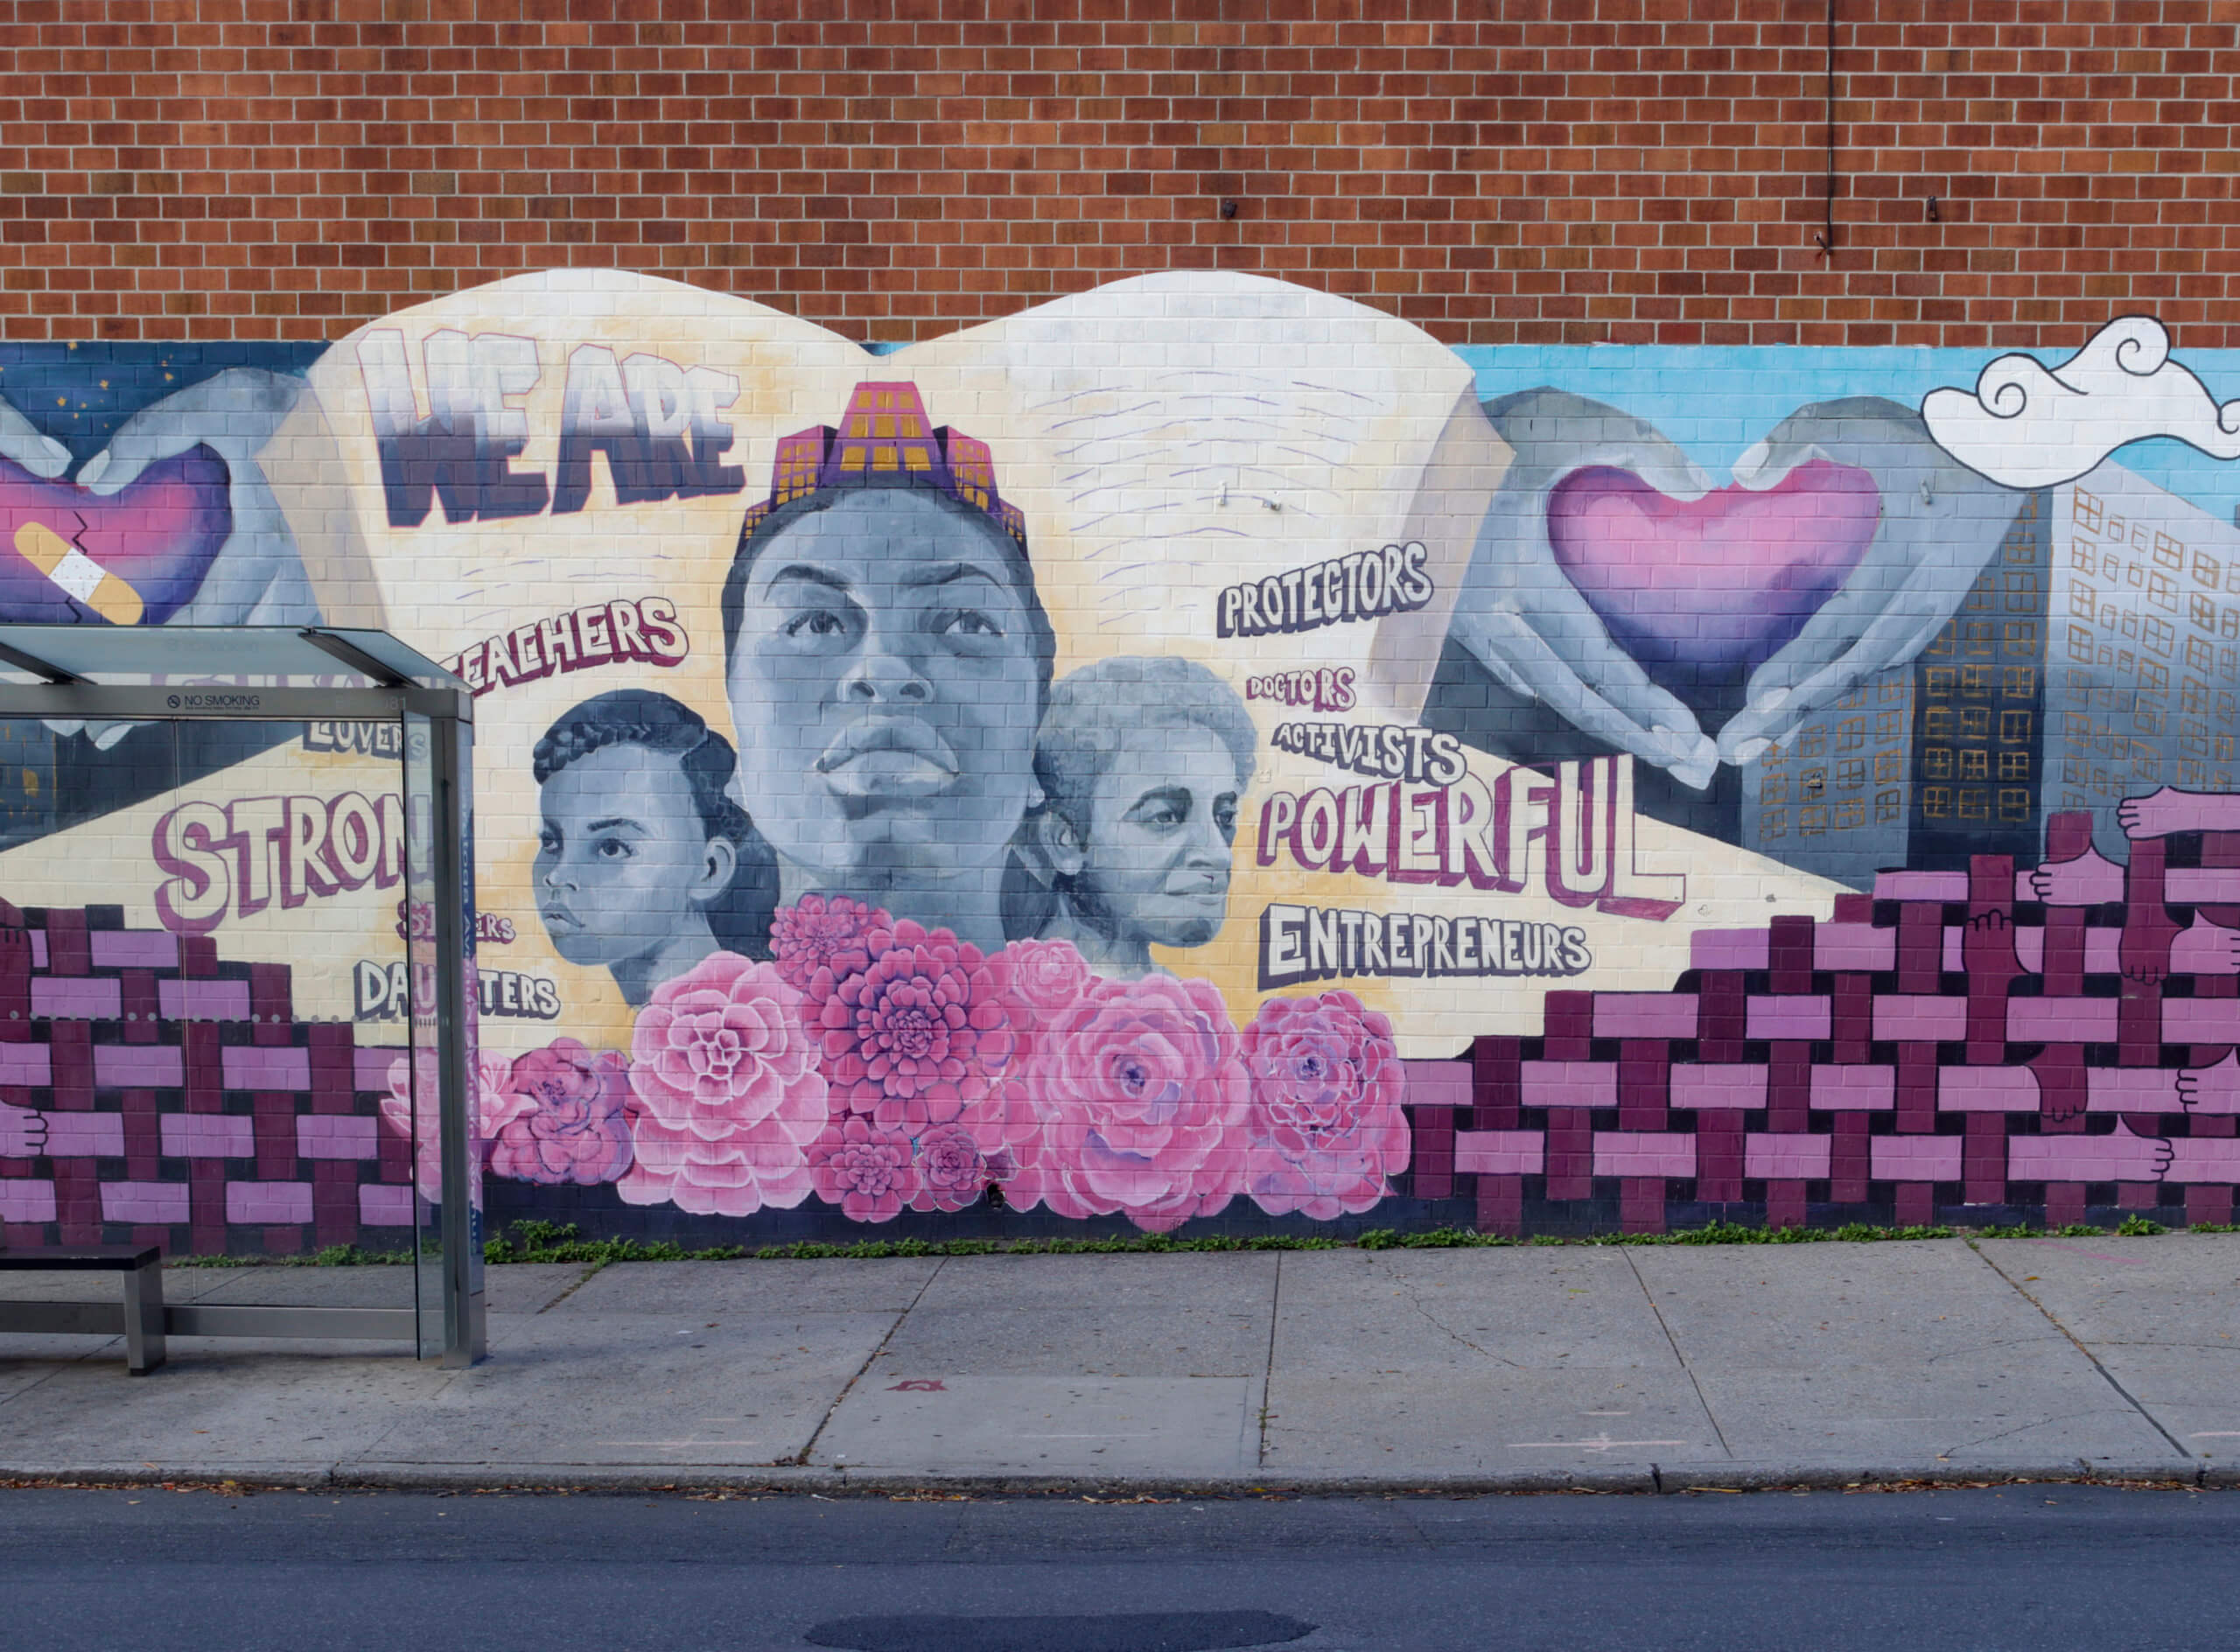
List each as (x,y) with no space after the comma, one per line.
(644,866)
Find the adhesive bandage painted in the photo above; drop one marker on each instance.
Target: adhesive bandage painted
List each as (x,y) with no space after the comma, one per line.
(78,574)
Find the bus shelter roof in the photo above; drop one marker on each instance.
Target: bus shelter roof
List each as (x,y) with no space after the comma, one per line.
(277,656)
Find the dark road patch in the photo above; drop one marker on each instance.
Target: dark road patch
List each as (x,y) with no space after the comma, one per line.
(1104,1631)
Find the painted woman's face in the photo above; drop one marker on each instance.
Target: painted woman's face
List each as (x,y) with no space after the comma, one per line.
(885,692)
(1161,825)
(623,860)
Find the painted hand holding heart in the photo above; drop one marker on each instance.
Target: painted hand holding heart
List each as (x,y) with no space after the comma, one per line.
(1615,582)
(173,520)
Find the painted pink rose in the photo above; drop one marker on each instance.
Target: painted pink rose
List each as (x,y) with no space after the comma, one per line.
(864,1169)
(1327,1131)
(496,1107)
(1004,1121)
(496,1103)
(1143,1100)
(1047,978)
(924,1029)
(827,934)
(728,1094)
(578,1131)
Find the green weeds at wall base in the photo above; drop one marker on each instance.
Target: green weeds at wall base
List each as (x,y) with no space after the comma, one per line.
(552,1242)
(2129,1227)
(559,1241)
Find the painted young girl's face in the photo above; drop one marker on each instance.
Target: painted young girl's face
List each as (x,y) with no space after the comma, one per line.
(623,860)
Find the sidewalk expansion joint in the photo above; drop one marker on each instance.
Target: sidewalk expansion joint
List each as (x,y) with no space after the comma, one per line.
(1673,1343)
(2074,1342)
(810,1446)
(1268,1373)
(589,1274)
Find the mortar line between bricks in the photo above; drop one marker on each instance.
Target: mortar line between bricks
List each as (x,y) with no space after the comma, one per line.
(1267,1371)
(1673,1343)
(825,1422)
(2106,1376)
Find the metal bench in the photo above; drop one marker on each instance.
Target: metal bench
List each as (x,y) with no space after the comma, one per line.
(140,1315)
(144,1317)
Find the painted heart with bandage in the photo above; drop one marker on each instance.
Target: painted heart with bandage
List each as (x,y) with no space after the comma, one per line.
(71,555)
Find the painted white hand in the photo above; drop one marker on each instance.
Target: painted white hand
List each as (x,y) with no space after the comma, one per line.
(2206,948)
(258,576)
(1525,621)
(20,444)
(2136,1158)
(1941,524)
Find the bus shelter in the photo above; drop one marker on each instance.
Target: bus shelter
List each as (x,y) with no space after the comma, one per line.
(237,899)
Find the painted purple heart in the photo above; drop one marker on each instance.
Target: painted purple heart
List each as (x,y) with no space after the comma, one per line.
(1705,590)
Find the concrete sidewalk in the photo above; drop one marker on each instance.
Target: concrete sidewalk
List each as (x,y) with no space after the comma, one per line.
(1507,1369)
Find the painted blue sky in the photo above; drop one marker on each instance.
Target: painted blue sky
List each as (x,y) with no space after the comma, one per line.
(80,394)
(1715,402)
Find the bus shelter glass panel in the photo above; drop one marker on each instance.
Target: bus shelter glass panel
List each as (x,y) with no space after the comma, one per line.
(207,1005)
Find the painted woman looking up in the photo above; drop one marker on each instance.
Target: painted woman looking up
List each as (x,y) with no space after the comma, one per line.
(885,644)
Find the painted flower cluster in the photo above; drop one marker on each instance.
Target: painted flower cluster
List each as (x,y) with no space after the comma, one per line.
(879,1066)
(555,1115)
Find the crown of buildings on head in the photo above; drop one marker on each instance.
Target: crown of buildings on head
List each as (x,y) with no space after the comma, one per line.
(885,433)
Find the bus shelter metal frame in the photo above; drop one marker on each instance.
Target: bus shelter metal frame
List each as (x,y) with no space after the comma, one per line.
(394,697)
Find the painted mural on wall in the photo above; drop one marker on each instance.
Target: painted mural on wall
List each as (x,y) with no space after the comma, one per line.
(1199,751)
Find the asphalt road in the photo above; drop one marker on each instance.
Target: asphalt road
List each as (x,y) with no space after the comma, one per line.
(2036,1568)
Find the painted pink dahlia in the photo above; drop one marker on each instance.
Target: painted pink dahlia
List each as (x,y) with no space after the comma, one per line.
(863,1169)
(826,933)
(925,1029)
(495,1106)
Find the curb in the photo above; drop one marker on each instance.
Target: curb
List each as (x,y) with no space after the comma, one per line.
(776,1480)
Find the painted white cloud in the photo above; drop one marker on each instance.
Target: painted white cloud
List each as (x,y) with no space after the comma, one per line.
(2028,426)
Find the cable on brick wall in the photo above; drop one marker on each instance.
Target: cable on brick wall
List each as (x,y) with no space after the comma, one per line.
(1827,235)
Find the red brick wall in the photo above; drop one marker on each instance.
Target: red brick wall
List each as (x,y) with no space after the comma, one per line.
(1495,169)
